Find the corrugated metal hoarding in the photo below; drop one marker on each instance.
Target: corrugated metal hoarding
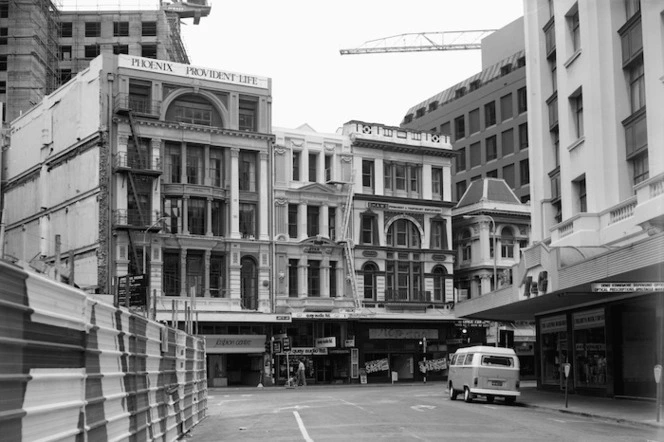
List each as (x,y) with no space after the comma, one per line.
(72,368)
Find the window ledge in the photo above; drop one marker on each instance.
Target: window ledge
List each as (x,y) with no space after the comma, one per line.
(576,144)
(574,56)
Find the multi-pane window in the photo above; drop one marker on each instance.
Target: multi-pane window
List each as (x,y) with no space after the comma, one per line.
(524,171)
(333,279)
(172,162)
(368,229)
(216,170)
(475,154)
(149,50)
(523,136)
(581,194)
(120,49)
(292,278)
(313,216)
(490,114)
(368,173)
(461,187)
(292,220)
(437,182)
(66,29)
(247,220)
(196,216)
(637,89)
(296,165)
(466,249)
(438,234)
(474,121)
(65,52)
(92,29)
(508,175)
(247,171)
(172,210)
(491,148)
(313,278)
(577,113)
(65,75)
(90,51)
(313,167)
(575,33)
(505,107)
(461,160)
(217,210)
(194,164)
(404,281)
(171,273)
(149,29)
(403,233)
(369,277)
(247,115)
(121,29)
(460,127)
(552,104)
(507,243)
(328,168)
(439,284)
(507,142)
(414,177)
(400,177)
(640,168)
(636,133)
(522,100)
(332,223)
(217,276)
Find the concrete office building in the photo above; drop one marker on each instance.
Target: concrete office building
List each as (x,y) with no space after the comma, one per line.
(486,116)
(594,277)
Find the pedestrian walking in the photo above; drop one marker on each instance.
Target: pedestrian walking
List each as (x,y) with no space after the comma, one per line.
(301,375)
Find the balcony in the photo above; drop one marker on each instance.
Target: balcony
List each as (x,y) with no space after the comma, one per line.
(125,161)
(132,219)
(408,296)
(137,104)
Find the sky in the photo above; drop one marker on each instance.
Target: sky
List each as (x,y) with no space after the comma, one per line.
(296,43)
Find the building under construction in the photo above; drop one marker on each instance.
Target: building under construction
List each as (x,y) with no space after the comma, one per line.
(43,43)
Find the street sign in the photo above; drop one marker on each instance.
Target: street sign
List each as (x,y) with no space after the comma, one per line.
(286,344)
(276,347)
(132,290)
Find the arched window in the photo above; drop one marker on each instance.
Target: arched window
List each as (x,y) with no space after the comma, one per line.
(193,109)
(403,233)
(248,283)
(439,273)
(370,270)
(466,246)
(507,243)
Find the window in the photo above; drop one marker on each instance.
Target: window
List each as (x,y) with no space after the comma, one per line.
(368,173)
(292,277)
(247,171)
(439,283)
(475,155)
(490,114)
(369,276)
(445,129)
(217,218)
(414,177)
(216,171)
(475,84)
(507,243)
(433,106)
(554,75)
(492,173)
(403,233)
(91,51)
(196,216)
(369,228)
(521,62)
(522,100)
(637,89)
(419,113)
(292,220)
(192,109)
(497,361)
(573,22)
(523,136)
(404,281)
(400,177)
(149,50)
(438,234)
(524,171)
(577,113)
(172,162)
(313,167)
(66,29)
(313,217)
(508,175)
(636,133)
(460,92)
(460,189)
(504,70)
(247,220)
(491,148)
(640,168)
(580,186)
(296,165)
(194,164)
(507,142)
(217,276)
(3,36)
(474,121)
(333,279)
(332,223)
(92,29)
(506,107)
(121,49)
(121,29)
(3,87)
(466,249)
(65,52)
(247,115)
(172,210)
(313,278)
(328,168)
(461,160)
(437,182)
(171,273)
(149,29)
(459,127)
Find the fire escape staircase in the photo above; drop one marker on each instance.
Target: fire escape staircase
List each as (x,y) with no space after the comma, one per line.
(347,239)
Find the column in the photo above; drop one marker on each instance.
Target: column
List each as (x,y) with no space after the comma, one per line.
(425,177)
(320,169)
(379,176)
(302,221)
(485,283)
(185,217)
(262,217)
(485,241)
(183,163)
(206,274)
(235,193)
(208,216)
(325,278)
(302,278)
(324,224)
(183,272)
(304,170)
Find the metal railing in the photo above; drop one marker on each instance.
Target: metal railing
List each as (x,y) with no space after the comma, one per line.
(137,104)
(136,162)
(408,295)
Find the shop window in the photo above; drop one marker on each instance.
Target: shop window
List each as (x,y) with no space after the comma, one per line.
(554,349)
(589,349)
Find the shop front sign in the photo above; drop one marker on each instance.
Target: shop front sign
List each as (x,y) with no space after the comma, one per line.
(403,333)
(307,351)
(216,344)
(326,342)
(627,287)
(554,324)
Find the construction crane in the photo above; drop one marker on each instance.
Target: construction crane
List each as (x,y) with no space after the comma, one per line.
(422,42)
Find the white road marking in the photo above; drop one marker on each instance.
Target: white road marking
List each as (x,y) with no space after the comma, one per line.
(296,407)
(420,407)
(489,406)
(303,430)
(355,405)
(558,420)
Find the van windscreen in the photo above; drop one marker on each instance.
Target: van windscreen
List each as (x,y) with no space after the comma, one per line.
(502,361)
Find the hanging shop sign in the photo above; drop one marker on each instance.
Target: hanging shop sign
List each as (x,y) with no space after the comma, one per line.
(330,342)
(627,287)
(235,343)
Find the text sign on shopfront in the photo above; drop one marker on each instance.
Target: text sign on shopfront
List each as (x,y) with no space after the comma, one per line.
(554,324)
(326,342)
(590,319)
(235,343)
(627,287)
(402,333)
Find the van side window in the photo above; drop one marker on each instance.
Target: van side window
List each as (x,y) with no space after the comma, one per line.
(469,359)
(500,361)
(453,359)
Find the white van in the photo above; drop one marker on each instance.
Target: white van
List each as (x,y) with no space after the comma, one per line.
(484,371)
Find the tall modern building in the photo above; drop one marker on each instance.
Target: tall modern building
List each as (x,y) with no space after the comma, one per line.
(44,42)
(486,116)
(594,277)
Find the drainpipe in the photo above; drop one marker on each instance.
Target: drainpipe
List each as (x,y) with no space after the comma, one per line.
(110,77)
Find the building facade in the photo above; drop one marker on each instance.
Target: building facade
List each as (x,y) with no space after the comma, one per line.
(486,116)
(593,278)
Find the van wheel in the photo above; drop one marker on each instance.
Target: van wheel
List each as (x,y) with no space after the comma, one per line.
(489,399)
(453,394)
(467,395)
(510,400)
